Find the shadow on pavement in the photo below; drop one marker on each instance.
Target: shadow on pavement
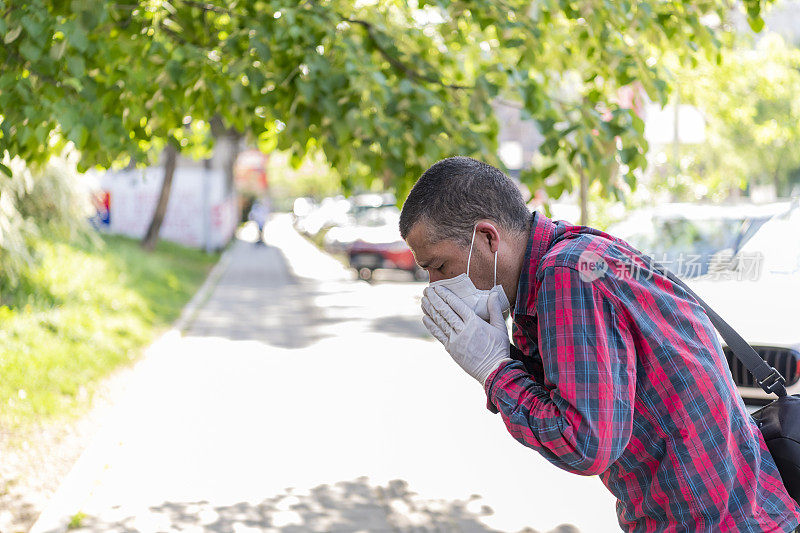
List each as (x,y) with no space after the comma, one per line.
(16,513)
(346,506)
(259,299)
(401,326)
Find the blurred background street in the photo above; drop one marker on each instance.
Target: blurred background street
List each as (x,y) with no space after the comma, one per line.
(300,399)
(208,318)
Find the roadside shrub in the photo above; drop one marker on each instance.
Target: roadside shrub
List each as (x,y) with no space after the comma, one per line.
(50,201)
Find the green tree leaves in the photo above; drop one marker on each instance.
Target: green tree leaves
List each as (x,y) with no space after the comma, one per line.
(753,117)
(382,90)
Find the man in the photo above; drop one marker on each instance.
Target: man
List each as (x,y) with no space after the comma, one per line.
(259,212)
(615,371)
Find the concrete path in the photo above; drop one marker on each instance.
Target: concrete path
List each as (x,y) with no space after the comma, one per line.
(299,399)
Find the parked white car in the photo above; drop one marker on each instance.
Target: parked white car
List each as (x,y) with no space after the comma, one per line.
(685,237)
(329,213)
(759,296)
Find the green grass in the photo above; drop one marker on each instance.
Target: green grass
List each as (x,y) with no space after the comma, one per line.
(76,521)
(80,313)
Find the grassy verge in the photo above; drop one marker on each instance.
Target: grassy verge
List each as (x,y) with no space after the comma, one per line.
(82,312)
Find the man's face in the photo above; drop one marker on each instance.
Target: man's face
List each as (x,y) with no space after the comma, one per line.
(446,259)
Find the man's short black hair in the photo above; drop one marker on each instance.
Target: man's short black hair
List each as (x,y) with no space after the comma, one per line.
(452,195)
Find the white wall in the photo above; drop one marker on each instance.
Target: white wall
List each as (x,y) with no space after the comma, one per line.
(198,214)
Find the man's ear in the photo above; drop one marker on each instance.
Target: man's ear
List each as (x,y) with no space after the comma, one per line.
(487,229)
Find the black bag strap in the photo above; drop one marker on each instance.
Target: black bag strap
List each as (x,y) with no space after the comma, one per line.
(768,378)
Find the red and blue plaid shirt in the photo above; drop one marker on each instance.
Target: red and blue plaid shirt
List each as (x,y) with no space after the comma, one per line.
(619,373)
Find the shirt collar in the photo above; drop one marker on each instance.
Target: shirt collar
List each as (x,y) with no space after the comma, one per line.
(542,235)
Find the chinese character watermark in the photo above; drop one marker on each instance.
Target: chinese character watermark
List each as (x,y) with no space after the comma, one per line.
(741,267)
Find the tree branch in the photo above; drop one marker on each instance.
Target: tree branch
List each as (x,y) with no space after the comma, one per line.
(509,103)
(174,34)
(397,63)
(207,7)
(42,77)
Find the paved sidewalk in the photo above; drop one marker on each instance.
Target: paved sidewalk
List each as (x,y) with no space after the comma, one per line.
(302,400)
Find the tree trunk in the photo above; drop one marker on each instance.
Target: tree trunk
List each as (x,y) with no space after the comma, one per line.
(151,237)
(229,137)
(584,197)
(776,174)
(235,138)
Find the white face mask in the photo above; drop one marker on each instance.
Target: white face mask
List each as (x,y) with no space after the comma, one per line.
(475,298)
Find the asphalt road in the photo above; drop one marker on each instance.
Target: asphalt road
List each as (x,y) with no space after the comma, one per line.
(299,399)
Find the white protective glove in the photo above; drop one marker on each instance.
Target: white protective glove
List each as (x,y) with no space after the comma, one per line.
(476,345)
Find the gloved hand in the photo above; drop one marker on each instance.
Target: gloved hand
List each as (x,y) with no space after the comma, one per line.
(476,345)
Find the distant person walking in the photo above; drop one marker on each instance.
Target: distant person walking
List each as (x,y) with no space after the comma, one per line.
(259,212)
(614,370)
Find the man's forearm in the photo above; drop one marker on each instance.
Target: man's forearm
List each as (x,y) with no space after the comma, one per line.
(550,426)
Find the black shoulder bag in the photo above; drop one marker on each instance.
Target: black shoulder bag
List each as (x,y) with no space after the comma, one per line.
(779,421)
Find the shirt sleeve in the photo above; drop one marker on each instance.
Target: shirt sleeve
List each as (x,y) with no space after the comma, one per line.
(580,417)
